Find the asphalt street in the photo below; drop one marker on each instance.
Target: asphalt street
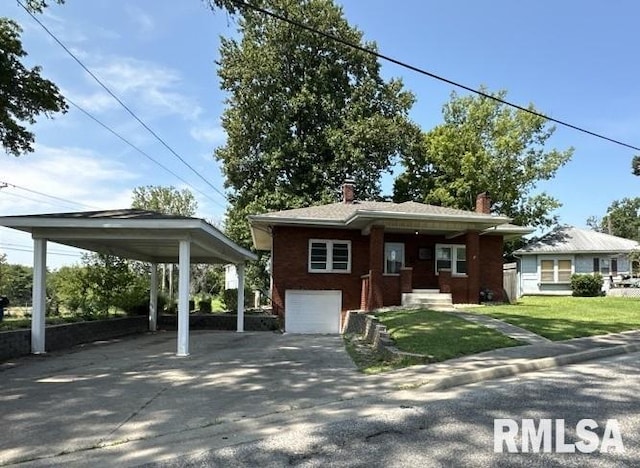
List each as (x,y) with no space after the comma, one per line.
(455,427)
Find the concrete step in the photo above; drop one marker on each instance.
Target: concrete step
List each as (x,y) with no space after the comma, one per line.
(425,291)
(429,299)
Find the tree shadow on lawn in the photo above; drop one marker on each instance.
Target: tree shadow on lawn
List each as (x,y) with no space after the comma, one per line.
(442,336)
(558,329)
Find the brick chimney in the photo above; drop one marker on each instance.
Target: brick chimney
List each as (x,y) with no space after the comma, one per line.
(348,191)
(483,203)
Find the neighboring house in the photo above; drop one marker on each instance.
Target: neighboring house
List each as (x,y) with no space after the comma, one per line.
(364,255)
(230,277)
(546,265)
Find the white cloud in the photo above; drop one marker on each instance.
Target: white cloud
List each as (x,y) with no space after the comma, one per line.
(213,134)
(152,86)
(96,102)
(72,174)
(142,21)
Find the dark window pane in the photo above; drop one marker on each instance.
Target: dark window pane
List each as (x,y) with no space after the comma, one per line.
(596,265)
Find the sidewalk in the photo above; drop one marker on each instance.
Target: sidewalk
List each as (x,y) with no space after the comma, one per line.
(512,361)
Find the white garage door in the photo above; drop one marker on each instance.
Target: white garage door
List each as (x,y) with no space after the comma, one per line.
(309,311)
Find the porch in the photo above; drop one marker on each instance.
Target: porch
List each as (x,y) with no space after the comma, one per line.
(427,266)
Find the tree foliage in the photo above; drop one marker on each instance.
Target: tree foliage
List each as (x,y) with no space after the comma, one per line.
(24,93)
(635,165)
(167,200)
(100,283)
(16,282)
(303,113)
(622,219)
(484,146)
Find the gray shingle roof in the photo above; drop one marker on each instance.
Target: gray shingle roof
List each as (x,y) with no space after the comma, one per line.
(126,213)
(343,211)
(568,239)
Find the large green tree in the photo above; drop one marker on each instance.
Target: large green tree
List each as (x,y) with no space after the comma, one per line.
(622,219)
(24,93)
(167,200)
(303,113)
(484,146)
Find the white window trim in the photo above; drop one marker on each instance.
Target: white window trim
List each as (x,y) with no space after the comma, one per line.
(454,267)
(555,269)
(395,244)
(329,243)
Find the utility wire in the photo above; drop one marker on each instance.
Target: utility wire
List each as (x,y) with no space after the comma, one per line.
(17,249)
(42,194)
(243,4)
(24,197)
(146,155)
(23,246)
(124,106)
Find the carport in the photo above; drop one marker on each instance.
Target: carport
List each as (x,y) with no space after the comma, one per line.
(141,235)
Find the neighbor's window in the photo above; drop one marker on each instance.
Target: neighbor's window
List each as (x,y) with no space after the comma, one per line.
(329,256)
(546,271)
(393,257)
(453,257)
(564,271)
(555,271)
(605,266)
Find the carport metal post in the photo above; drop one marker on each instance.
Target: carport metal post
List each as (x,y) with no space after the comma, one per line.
(240,272)
(183,297)
(153,298)
(39,305)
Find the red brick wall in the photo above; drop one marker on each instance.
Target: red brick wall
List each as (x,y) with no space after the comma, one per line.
(391,290)
(491,261)
(290,264)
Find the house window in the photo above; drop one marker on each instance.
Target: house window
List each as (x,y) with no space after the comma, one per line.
(451,257)
(547,271)
(564,271)
(605,266)
(393,257)
(556,271)
(329,256)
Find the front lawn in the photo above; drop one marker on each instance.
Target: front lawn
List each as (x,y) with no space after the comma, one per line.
(563,318)
(440,335)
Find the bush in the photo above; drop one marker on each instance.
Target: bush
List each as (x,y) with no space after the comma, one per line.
(586,285)
(229,297)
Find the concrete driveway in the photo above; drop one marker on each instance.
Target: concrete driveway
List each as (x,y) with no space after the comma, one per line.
(136,388)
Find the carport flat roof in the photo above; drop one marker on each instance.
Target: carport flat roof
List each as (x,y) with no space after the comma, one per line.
(143,235)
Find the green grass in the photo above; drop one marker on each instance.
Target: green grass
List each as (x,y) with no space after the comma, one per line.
(440,335)
(371,362)
(563,318)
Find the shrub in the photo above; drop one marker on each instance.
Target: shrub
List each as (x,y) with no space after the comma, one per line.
(230,299)
(586,285)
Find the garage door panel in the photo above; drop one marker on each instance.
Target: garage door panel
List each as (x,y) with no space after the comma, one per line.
(308,311)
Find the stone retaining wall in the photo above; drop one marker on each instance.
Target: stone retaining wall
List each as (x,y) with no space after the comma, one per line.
(373,332)
(18,342)
(221,322)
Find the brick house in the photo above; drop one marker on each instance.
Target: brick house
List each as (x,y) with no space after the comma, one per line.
(364,255)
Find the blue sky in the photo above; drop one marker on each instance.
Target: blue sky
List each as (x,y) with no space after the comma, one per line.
(575,60)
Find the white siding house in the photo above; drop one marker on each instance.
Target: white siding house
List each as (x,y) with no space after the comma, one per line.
(546,265)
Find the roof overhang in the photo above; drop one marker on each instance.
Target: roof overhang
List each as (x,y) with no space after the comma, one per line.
(145,239)
(436,224)
(521,253)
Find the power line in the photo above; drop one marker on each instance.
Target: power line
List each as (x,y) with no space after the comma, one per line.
(124,106)
(17,249)
(22,246)
(42,194)
(422,71)
(24,197)
(146,155)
